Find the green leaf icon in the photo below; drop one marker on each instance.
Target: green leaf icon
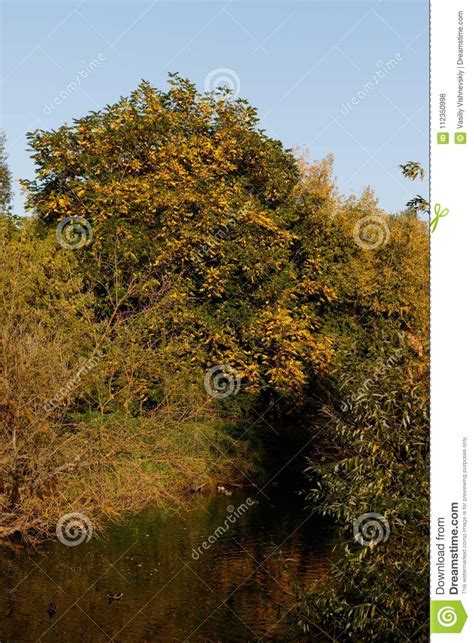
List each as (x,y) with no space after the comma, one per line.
(447,617)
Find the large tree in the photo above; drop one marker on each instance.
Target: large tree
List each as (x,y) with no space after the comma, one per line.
(185,189)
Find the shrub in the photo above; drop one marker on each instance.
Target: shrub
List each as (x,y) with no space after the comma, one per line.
(377,426)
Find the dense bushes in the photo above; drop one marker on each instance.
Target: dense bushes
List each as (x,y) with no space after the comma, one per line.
(378,433)
(75,426)
(371,435)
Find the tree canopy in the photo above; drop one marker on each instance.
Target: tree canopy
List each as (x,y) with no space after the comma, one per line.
(185,189)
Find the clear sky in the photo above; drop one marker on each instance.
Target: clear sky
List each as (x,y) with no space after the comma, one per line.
(308,66)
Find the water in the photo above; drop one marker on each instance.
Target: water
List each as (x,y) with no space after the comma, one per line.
(238,588)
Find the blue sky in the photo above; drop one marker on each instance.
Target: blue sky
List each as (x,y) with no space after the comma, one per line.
(298,62)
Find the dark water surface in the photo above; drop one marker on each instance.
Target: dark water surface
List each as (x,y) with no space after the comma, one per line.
(236,590)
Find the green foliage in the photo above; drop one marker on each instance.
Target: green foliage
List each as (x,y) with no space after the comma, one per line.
(183,189)
(45,319)
(413,170)
(362,289)
(92,408)
(378,433)
(372,433)
(5,179)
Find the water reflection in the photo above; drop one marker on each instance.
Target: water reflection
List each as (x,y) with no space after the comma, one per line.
(236,589)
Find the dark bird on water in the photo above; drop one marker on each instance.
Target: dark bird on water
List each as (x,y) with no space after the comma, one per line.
(114,596)
(52,609)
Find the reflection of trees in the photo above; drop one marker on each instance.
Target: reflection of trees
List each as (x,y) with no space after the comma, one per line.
(152,565)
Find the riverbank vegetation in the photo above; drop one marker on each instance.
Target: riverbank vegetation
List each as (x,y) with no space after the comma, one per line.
(199,243)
